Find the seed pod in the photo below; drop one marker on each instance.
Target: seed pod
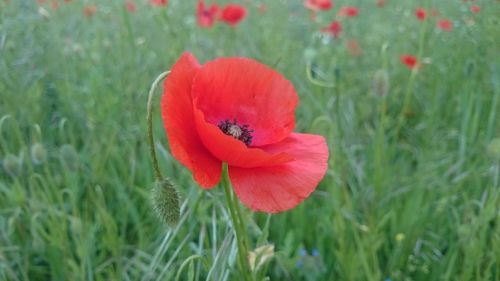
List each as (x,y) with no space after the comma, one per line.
(166,202)
(380,83)
(38,153)
(12,165)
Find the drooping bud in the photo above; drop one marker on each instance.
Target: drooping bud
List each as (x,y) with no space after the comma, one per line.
(12,165)
(69,157)
(38,153)
(166,202)
(380,83)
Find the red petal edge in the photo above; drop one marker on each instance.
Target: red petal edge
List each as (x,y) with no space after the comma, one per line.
(233,151)
(280,188)
(178,119)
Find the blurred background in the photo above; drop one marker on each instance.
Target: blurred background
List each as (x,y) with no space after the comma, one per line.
(406,93)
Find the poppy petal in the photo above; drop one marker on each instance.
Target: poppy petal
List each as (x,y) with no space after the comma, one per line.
(177,113)
(279,188)
(231,150)
(251,93)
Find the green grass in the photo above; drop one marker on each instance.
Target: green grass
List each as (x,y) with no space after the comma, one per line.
(416,203)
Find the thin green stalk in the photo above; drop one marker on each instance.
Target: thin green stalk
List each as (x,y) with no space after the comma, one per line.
(152,149)
(380,152)
(237,221)
(241,220)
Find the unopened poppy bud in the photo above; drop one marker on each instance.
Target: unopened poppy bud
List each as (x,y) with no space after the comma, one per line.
(260,256)
(44,13)
(309,54)
(69,157)
(166,202)
(12,165)
(38,153)
(380,83)
(494,148)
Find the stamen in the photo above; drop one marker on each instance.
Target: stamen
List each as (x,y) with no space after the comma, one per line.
(239,132)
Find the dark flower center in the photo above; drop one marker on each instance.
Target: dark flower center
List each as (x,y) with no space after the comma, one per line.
(237,131)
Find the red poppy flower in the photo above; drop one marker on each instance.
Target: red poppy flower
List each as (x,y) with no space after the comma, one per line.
(348,12)
(317,5)
(410,61)
(90,10)
(130,5)
(233,14)
(475,9)
(238,111)
(206,15)
(420,14)
(54,5)
(334,29)
(158,3)
(445,24)
(380,3)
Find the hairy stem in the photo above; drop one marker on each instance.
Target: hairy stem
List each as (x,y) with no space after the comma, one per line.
(152,149)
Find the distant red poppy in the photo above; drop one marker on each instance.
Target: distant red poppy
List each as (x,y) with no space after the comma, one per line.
(40,2)
(206,16)
(158,3)
(54,4)
(380,3)
(130,5)
(90,10)
(241,112)
(353,47)
(420,14)
(445,24)
(262,8)
(410,61)
(318,5)
(233,14)
(334,28)
(434,13)
(348,12)
(475,9)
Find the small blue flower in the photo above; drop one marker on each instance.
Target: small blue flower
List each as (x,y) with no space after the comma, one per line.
(302,252)
(388,279)
(299,263)
(315,252)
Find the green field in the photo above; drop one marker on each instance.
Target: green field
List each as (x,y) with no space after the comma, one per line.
(411,193)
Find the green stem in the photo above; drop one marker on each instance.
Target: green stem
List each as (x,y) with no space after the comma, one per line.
(238,224)
(152,149)
(241,220)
